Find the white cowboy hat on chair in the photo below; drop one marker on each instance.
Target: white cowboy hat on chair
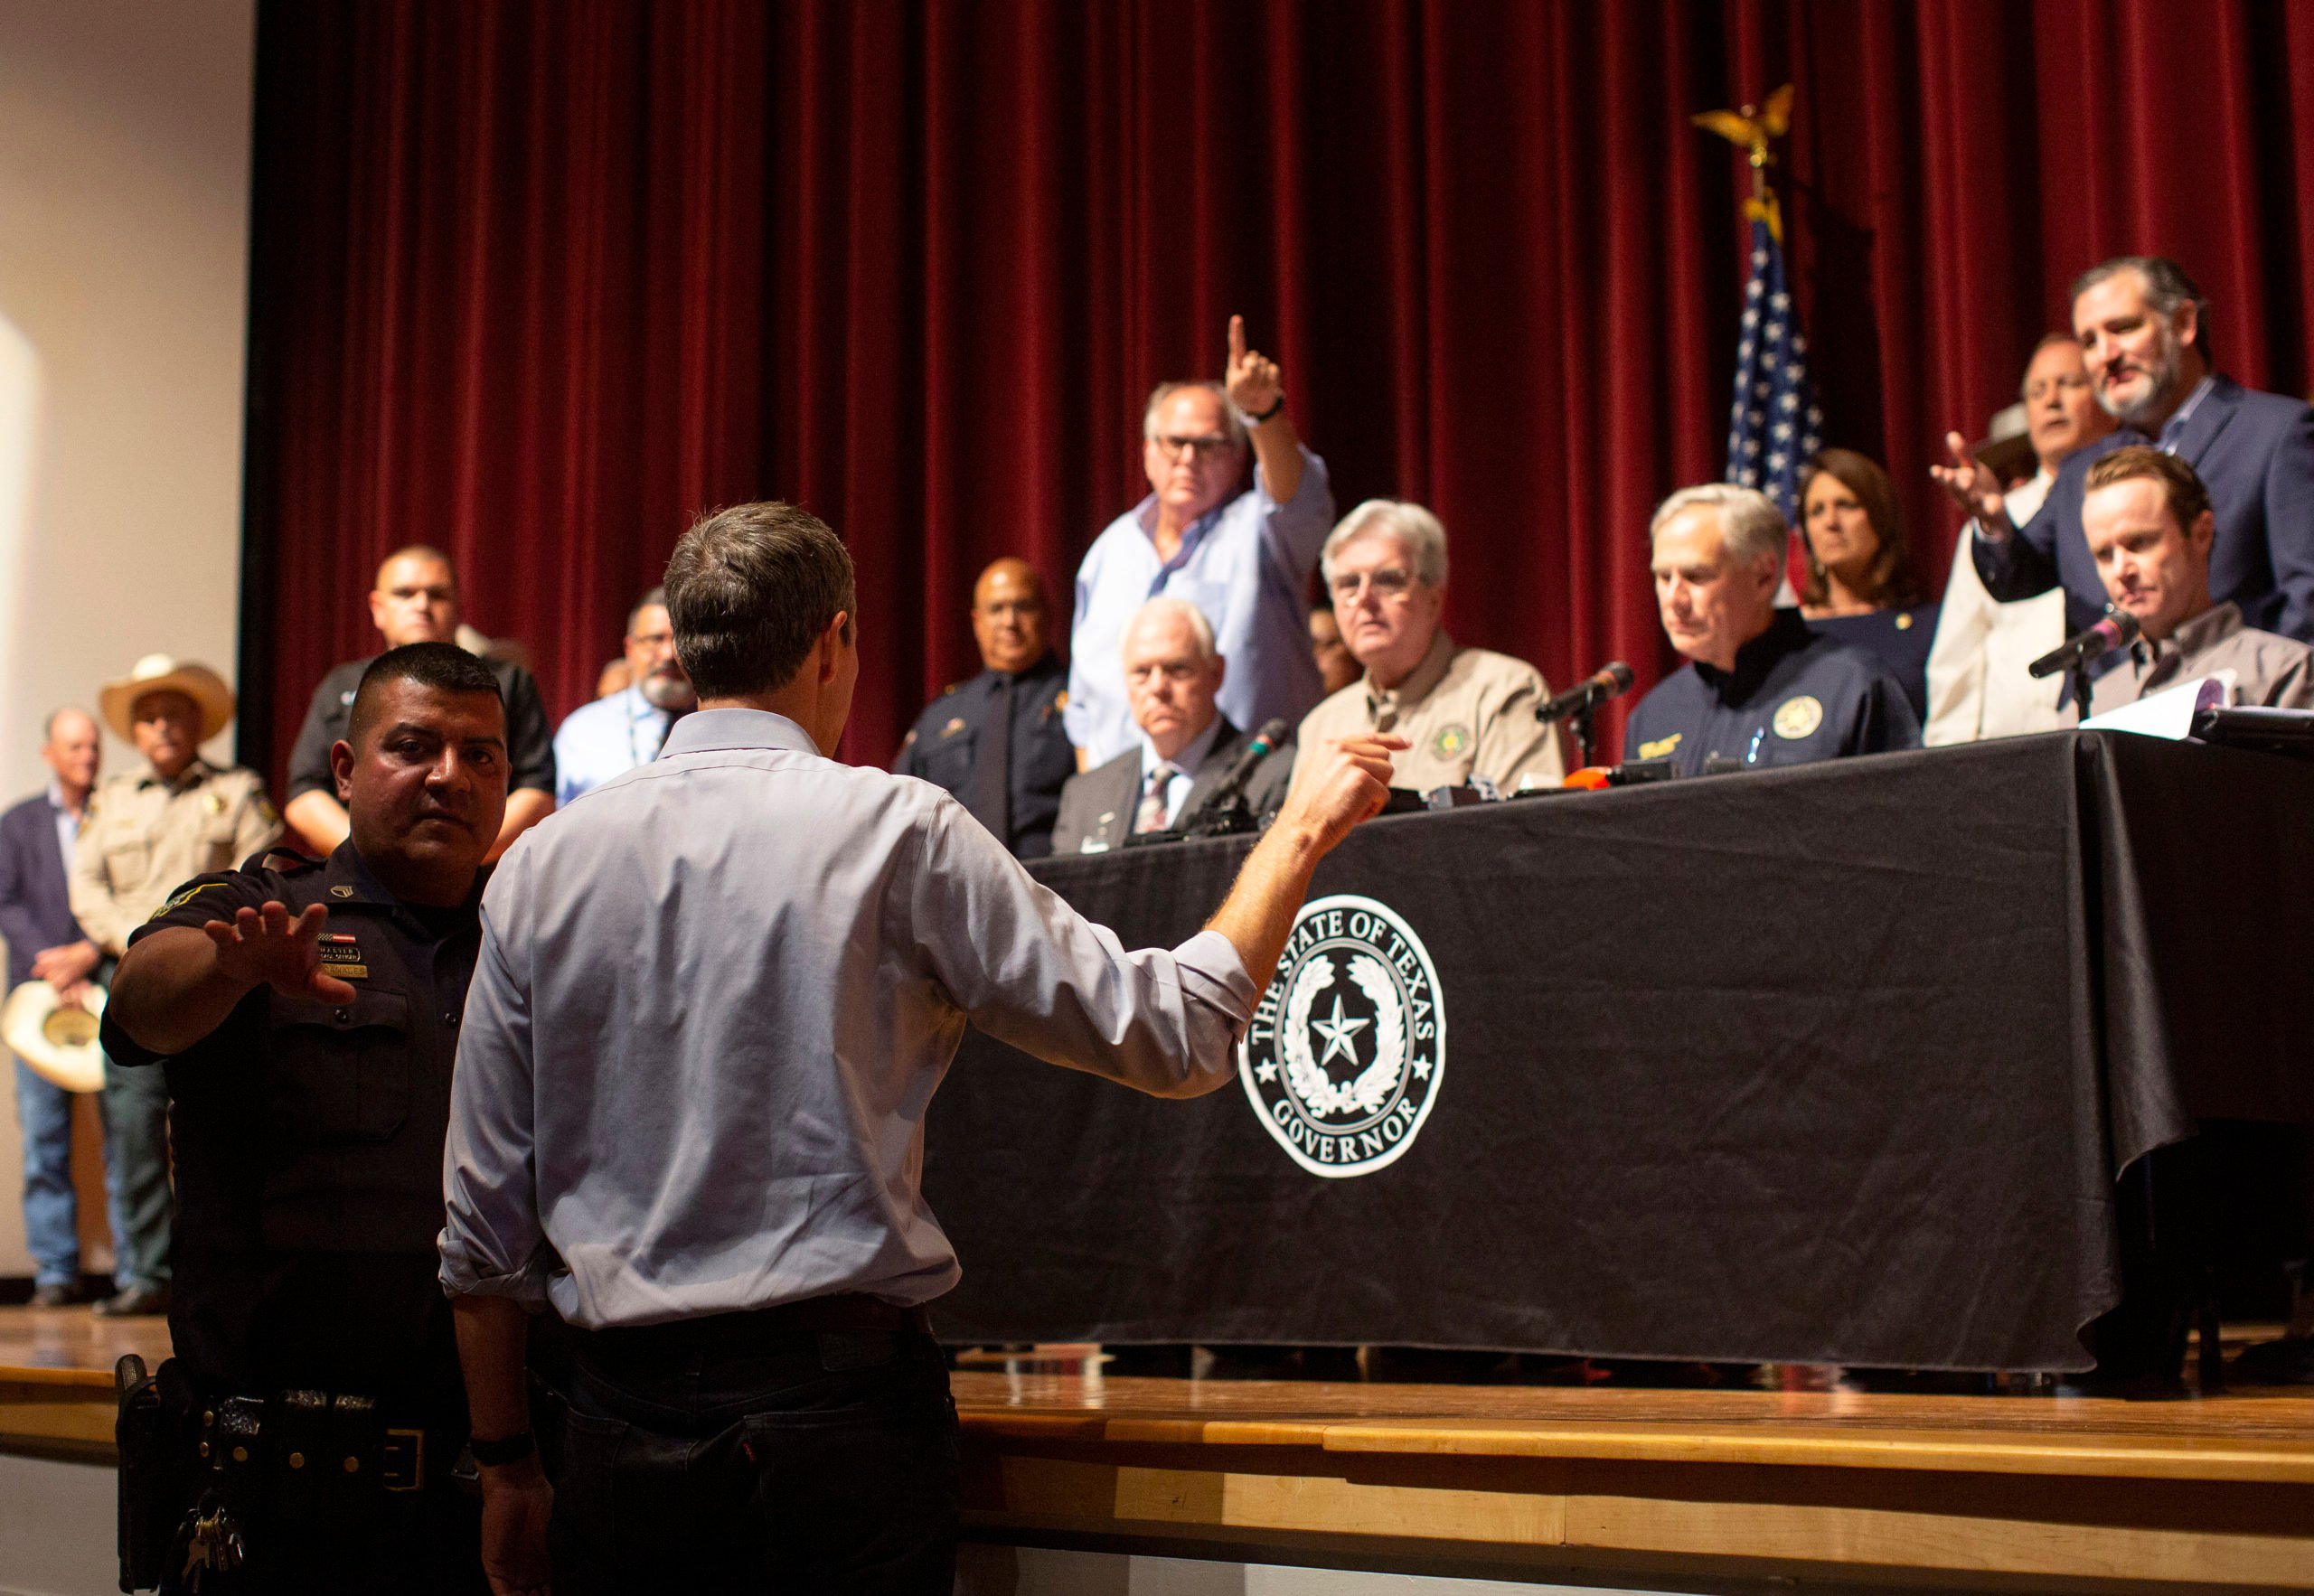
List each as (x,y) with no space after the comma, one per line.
(164,673)
(59,1043)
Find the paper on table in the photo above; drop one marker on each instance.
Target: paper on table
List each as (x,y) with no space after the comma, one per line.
(2168,713)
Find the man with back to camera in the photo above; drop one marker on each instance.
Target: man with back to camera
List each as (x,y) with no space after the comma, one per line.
(415,599)
(1979,681)
(1759,688)
(999,742)
(618,731)
(2144,331)
(729,1213)
(1188,746)
(2148,522)
(1465,712)
(308,1013)
(1241,555)
(148,829)
(46,943)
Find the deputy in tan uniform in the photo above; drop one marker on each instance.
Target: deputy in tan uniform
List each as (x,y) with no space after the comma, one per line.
(173,818)
(1468,712)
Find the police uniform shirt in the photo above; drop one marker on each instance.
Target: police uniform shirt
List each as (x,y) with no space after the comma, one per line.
(1468,711)
(308,1143)
(1793,697)
(950,744)
(142,836)
(2269,670)
(530,738)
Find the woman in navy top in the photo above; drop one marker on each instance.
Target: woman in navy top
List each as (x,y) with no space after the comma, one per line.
(1860,588)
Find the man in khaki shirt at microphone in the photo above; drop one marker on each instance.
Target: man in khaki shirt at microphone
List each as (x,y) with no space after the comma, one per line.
(1467,712)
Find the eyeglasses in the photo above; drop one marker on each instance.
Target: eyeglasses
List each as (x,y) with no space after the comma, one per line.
(1206,448)
(421,595)
(1390,582)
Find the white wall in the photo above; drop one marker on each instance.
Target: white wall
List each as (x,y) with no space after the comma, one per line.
(124,249)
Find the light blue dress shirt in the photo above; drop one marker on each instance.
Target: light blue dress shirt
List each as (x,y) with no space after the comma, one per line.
(607,738)
(710,1010)
(1246,566)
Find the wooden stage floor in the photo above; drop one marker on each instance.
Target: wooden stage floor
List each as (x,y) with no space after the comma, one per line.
(1661,1489)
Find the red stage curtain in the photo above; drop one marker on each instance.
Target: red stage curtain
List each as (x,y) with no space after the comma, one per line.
(536,282)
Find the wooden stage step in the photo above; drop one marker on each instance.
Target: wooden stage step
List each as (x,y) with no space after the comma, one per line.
(1645,1489)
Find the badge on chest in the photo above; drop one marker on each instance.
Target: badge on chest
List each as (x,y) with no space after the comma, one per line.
(342,956)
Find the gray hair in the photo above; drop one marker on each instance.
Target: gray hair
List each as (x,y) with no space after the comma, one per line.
(2168,290)
(656,597)
(1230,424)
(1750,525)
(1408,522)
(1200,629)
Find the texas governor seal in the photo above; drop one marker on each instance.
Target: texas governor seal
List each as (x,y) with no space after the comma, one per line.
(1347,1049)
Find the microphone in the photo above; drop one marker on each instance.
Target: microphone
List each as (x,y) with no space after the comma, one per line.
(1613,680)
(2119,629)
(1224,809)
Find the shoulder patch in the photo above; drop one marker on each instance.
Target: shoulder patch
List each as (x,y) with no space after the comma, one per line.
(1660,745)
(1450,741)
(180,899)
(1795,718)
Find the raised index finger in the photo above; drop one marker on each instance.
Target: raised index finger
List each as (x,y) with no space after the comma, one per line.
(1236,341)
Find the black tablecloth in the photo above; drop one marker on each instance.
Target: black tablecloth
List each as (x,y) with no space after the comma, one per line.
(1832,1064)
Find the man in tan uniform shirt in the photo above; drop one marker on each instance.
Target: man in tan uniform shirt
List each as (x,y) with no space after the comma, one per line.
(1468,712)
(147,830)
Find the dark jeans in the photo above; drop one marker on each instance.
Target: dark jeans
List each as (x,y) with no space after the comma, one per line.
(136,1174)
(714,1456)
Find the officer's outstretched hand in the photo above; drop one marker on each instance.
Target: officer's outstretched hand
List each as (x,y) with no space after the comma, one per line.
(265,947)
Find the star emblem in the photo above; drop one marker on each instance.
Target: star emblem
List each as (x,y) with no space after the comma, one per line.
(1265,1072)
(1340,1033)
(1422,1069)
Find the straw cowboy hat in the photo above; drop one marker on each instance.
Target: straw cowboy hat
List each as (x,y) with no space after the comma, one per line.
(164,673)
(59,1044)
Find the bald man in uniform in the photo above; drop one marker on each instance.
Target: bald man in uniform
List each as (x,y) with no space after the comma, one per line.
(415,599)
(997,742)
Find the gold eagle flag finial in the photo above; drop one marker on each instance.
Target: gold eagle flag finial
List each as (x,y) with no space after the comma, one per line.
(1751,129)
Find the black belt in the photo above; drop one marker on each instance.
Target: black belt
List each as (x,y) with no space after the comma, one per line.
(753,1328)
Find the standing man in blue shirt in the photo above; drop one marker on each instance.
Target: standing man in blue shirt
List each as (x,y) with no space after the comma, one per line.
(728,1210)
(46,943)
(1241,555)
(616,733)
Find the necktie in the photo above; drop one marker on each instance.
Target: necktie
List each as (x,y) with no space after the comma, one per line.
(991,780)
(1152,815)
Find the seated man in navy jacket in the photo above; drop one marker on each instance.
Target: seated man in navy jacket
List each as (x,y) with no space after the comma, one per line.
(1760,689)
(2144,329)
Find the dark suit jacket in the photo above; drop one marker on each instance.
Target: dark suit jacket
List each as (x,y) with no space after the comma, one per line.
(1097,806)
(36,907)
(2255,454)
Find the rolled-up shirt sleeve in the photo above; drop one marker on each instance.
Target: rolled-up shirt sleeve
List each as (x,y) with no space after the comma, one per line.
(1040,977)
(492,1244)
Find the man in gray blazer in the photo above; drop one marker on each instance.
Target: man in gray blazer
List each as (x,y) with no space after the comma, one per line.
(1171,672)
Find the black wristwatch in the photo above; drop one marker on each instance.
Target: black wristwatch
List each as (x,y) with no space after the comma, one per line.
(509,1448)
(1269,415)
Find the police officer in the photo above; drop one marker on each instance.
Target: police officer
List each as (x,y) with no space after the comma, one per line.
(997,741)
(415,599)
(1760,689)
(1468,714)
(145,829)
(308,1015)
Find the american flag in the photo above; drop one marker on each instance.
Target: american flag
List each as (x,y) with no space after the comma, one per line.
(1773,428)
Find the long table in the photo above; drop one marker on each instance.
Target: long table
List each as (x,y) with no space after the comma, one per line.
(1832,1064)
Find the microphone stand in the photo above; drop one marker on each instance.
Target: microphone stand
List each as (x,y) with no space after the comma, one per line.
(2076,676)
(1579,727)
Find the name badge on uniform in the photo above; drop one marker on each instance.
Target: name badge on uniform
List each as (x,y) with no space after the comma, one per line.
(342,956)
